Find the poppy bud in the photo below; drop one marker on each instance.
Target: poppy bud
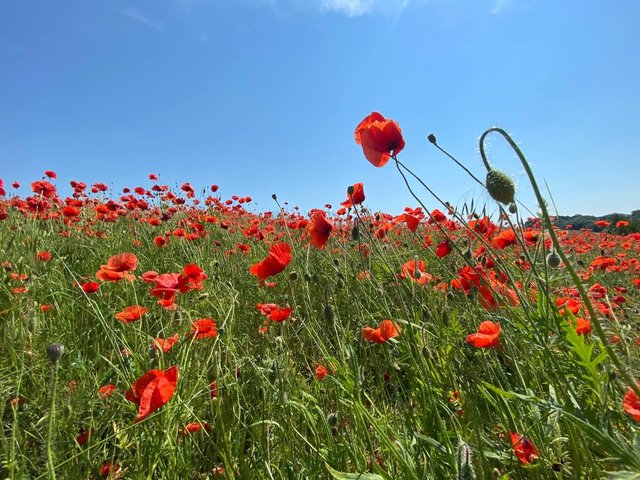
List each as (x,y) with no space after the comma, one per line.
(500,187)
(293,275)
(350,190)
(55,351)
(432,138)
(355,233)
(340,283)
(513,208)
(465,467)
(307,276)
(329,314)
(553,259)
(274,196)
(332,419)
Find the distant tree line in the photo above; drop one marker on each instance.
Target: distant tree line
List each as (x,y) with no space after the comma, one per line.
(589,221)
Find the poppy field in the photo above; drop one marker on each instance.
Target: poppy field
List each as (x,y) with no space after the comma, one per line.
(161,332)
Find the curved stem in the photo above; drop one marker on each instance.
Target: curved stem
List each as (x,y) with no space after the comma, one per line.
(556,244)
(52,406)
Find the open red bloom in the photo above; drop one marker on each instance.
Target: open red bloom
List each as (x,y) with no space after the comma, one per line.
(165,344)
(384,332)
(132,313)
(106,390)
(488,335)
(152,390)
(117,267)
(277,260)
(356,198)
(380,138)
(204,328)
(319,229)
(504,239)
(415,271)
(443,249)
(523,448)
(632,404)
(321,372)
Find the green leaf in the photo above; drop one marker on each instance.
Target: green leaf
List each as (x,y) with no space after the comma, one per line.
(352,476)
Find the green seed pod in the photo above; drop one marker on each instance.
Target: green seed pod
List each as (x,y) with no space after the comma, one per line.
(500,187)
(293,275)
(332,419)
(465,466)
(553,259)
(55,351)
(355,233)
(513,208)
(329,314)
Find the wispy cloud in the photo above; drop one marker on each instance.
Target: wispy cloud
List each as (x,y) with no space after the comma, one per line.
(351,8)
(138,16)
(499,6)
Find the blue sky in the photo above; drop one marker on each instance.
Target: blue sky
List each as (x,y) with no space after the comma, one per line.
(262,96)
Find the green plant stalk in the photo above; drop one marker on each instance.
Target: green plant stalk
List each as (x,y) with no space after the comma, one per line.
(556,244)
(52,405)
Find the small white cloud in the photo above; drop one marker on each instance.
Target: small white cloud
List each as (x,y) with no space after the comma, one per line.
(351,8)
(138,16)
(499,6)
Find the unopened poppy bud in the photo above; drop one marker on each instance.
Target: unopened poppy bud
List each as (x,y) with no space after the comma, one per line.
(307,276)
(432,138)
(495,473)
(336,262)
(332,419)
(350,190)
(355,233)
(329,314)
(500,187)
(465,467)
(513,208)
(293,275)
(274,196)
(340,283)
(55,351)
(553,259)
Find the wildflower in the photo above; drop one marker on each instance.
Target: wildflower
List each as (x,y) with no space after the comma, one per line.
(204,328)
(152,390)
(43,256)
(117,267)
(319,229)
(523,448)
(132,313)
(380,138)
(384,332)
(632,404)
(488,335)
(277,260)
(106,390)
(355,196)
(165,344)
(90,287)
(321,372)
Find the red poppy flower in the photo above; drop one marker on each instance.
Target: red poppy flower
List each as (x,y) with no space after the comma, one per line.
(213,390)
(321,372)
(165,344)
(90,287)
(43,256)
(523,448)
(488,335)
(44,188)
(583,326)
(319,229)
(117,267)
(415,271)
(632,404)
(204,328)
(504,239)
(51,174)
(109,470)
(106,390)
(356,198)
(384,332)
(152,390)
(443,249)
(380,138)
(132,313)
(277,260)
(195,427)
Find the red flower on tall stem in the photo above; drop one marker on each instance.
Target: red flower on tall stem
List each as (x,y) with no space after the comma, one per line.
(277,260)
(380,138)
(152,390)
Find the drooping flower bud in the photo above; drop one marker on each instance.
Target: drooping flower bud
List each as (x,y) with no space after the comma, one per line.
(553,259)
(55,351)
(500,187)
